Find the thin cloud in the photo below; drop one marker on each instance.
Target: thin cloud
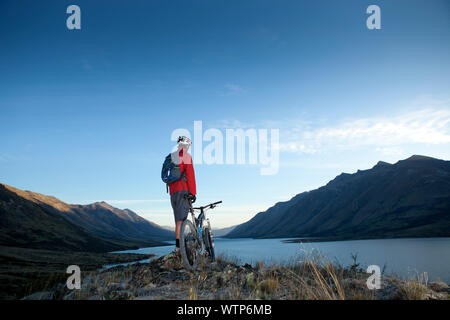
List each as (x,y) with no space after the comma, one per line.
(390,151)
(427,126)
(387,134)
(128,202)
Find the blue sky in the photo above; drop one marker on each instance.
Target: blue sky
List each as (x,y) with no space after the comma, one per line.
(87,115)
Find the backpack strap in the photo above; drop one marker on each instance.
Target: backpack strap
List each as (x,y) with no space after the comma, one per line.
(185,179)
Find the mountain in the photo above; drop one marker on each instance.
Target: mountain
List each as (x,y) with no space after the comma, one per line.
(222,232)
(34,220)
(410,198)
(104,220)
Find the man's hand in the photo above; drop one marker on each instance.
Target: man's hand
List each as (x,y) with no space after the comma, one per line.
(192,197)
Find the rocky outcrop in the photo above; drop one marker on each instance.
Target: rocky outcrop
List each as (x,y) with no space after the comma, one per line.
(165,278)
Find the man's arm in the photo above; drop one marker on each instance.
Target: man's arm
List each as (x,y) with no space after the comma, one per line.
(190,176)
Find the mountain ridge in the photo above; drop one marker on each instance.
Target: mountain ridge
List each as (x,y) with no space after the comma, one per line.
(35,220)
(408,198)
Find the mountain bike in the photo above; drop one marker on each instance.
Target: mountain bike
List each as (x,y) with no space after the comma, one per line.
(195,236)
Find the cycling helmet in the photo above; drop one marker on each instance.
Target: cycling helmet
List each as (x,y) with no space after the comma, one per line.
(184,142)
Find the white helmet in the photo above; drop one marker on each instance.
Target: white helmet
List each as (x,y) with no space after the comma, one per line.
(184,142)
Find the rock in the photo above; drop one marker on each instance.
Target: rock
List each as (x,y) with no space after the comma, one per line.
(224,277)
(166,257)
(69,296)
(86,280)
(388,291)
(41,295)
(117,286)
(144,291)
(250,279)
(431,295)
(150,286)
(354,283)
(214,266)
(171,262)
(439,286)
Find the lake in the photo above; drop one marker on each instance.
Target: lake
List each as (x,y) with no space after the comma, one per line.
(404,257)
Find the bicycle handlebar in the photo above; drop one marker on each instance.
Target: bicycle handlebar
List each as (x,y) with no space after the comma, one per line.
(211,205)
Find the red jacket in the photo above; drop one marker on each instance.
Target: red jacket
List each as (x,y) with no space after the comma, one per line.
(187,168)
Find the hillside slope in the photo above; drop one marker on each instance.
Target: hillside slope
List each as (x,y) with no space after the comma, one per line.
(34,220)
(24,223)
(102,219)
(408,199)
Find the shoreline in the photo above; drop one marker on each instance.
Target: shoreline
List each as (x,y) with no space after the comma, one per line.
(23,269)
(334,239)
(339,239)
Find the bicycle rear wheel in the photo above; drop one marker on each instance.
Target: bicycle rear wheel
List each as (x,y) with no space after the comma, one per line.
(209,244)
(189,245)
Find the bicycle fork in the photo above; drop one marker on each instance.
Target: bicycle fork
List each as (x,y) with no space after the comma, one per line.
(198,226)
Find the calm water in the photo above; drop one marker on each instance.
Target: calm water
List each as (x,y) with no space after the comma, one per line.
(404,257)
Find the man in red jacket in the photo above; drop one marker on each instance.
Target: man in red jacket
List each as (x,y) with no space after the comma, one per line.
(184,188)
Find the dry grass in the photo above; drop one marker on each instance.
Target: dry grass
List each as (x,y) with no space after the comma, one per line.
(415,289)
(227,258)
(312,278)
(315,278)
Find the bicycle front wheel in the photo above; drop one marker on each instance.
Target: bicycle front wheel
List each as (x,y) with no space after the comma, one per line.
(209,244)
(189,245)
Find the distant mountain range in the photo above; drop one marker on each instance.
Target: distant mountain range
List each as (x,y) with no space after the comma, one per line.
(216,232)
(410,198)
(222,232)
(34,220)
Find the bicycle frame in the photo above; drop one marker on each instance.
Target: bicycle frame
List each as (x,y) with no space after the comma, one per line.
(202,216)
(198,221)
(201,241)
